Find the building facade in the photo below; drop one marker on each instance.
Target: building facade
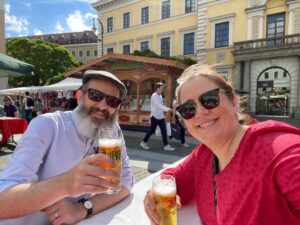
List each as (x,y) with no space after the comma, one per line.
(3,80)
(256,44)
(167,27)
(83,45)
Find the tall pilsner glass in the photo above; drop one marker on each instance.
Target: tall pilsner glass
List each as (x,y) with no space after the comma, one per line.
(164,188)
(110,144)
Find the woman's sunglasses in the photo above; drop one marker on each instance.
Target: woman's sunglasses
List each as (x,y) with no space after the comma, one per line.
(209,100)
(98,96)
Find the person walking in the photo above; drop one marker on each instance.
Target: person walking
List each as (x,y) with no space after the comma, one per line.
(27,103)
(39,107)
(157,118)
(10,109)
(54,175)
(177,124)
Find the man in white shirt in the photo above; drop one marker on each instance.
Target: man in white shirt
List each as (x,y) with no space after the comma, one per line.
(157,117)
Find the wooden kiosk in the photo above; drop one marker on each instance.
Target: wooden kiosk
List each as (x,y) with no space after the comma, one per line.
(139,74)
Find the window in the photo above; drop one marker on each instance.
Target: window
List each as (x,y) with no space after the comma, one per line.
(165,9)
(165,46)
(145,15)
(73,53)
(222,34)
(126,20)
(284,74)
(126,49)
(80,53)
(190,6)
(266,75)
(275,25)
(95,52)
(88,53)
(110,50)
(109,25)
(189,43)
(144,45)
(275,28)
(276,75)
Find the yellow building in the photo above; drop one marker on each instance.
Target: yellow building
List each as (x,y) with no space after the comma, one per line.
(3,80)
(167,27)
(2,30)
(256,45)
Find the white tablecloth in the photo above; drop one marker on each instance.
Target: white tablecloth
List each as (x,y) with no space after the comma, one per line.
(131,210)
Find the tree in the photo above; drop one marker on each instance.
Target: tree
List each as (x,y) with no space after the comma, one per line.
(49,60)
(151,54)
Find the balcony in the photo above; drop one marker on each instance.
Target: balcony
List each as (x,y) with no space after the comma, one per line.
(266,48)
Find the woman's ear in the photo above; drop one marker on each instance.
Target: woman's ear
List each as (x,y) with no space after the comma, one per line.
(236,102)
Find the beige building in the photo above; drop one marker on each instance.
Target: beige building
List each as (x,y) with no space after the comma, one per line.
(2,30)
(83,45)
(3,81)
(167,27)
(256,45)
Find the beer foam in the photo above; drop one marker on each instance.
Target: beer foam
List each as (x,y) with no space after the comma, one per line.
(107,142)
(165,187)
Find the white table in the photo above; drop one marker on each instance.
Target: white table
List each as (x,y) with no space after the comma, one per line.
(131,210)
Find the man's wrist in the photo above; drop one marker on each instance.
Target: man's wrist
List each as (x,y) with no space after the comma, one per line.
(87,205)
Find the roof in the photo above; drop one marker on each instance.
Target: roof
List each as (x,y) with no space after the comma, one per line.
(112,57)
(69,38)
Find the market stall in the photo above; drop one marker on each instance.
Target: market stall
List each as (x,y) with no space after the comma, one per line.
(139,74)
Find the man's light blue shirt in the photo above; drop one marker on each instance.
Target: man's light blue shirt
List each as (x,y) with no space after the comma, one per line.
(51,146)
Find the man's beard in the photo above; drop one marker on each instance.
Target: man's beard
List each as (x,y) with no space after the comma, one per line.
(87,125)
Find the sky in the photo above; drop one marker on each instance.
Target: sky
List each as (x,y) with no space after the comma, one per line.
(38,17)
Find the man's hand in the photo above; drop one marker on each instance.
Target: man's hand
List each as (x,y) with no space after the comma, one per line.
(65,212)
(88,176)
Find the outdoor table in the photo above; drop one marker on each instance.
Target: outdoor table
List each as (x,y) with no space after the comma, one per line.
(131,210)
(10,126)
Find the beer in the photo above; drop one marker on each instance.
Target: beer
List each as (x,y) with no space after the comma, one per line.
(111,146)
(164,188)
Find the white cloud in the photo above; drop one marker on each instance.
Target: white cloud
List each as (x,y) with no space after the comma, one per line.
(15,24)
(59,28)
(7,8)
(37,32)
(78,22)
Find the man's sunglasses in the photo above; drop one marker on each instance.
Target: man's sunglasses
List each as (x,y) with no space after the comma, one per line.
(209,100)
(98,96)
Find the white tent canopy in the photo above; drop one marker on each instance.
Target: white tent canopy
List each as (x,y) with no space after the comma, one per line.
(68,84)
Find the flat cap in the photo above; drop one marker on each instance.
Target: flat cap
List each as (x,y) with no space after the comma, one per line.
(90,74)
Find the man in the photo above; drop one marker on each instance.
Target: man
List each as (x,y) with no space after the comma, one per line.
(10,109)
(157,118)
(28,108)
(54,168)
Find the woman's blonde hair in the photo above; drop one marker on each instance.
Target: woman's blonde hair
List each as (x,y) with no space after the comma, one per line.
(207,71)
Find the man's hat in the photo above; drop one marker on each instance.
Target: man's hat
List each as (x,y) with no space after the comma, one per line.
(90,74)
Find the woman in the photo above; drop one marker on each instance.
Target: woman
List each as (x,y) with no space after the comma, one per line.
(241,174)
(10,109)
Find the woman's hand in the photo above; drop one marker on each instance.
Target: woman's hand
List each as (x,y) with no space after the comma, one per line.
(149,206)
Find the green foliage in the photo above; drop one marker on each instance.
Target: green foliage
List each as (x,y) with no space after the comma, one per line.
(56,79)
(151,54)
(49,60)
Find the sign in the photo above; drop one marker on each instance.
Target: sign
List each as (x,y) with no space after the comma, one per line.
(265,84)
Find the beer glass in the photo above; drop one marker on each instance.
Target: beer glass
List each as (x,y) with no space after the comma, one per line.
(164,189)
(110,144)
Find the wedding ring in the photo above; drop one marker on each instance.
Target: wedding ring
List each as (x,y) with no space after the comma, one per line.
(56,214)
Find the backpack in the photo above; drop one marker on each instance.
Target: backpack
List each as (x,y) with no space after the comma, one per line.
(30,102)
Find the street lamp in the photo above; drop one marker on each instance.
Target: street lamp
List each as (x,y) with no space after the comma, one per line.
(102,31)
